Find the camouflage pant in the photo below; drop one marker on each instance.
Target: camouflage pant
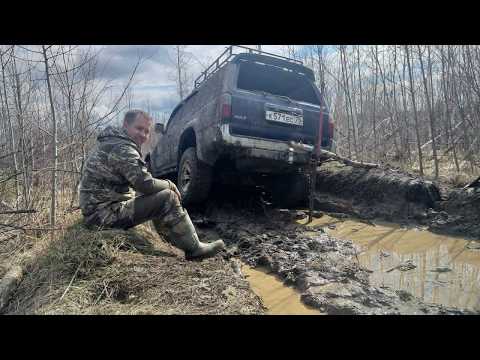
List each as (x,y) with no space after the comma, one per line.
(163,208)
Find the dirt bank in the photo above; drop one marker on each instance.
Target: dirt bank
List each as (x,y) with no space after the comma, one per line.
(460,213)
(396,196)
(128,272)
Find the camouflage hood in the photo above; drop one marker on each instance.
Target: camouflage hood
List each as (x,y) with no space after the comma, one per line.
(116,135)
(102,184)
(111,173)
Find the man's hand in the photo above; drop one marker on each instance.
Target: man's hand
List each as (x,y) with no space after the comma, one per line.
(174,188)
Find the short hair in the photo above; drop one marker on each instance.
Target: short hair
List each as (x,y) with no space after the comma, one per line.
(131,116)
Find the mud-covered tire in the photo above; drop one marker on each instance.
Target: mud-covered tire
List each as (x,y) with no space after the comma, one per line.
(290,190)
(194,178)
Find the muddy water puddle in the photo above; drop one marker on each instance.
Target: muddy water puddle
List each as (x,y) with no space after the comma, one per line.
(278,298)
(446,271)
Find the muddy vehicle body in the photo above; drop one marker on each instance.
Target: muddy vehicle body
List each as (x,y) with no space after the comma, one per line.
(237,124)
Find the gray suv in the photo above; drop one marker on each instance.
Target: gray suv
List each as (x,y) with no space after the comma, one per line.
(238,124)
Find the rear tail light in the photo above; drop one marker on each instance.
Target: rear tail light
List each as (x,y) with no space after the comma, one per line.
(331,128)
(226,107)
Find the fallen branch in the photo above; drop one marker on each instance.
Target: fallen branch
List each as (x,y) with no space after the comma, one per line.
(10,177)
(439,136)
(4,204)
(29,229)
(8,238)
(57,170)
(324,153)
(473,183)
(27,211)
(9,154)
(71,281)
(329,154)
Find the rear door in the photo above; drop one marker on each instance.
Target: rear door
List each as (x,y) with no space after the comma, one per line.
(274,103)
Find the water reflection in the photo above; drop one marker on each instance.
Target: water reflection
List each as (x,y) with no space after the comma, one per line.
(384,246)
(278,298)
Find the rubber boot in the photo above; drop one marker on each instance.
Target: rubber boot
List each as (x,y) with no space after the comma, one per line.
(184,236)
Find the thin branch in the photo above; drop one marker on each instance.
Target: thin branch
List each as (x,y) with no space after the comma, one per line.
(71,281)
(27,211)
(22,228)
(10,177)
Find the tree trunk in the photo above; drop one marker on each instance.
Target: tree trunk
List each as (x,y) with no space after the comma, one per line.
(179,73)
(415,115)
(375,147)
(54,147)
(12,133)
(21,123)
(429,107)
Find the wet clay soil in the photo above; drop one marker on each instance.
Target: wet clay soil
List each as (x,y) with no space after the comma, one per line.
(277,298)
(326,270)
(447,269)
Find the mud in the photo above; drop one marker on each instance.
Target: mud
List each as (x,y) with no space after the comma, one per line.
(325,270)
(397,196)
(460,213)
(441,269)
(278,298)
(330,273)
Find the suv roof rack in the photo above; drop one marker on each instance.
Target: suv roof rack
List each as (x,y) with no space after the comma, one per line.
(227,55)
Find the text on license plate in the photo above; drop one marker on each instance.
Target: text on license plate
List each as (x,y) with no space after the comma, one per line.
(284,118)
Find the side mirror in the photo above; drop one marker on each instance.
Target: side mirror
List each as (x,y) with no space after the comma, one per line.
(159,128)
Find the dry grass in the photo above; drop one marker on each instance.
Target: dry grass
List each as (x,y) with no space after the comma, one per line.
(448,173)
(126,272)
(15,245)
(114,271)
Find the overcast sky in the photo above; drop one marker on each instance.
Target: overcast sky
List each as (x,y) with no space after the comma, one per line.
(154,83)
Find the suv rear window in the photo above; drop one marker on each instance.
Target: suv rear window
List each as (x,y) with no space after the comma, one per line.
(273,80)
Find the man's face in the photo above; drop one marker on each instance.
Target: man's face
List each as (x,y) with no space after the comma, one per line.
(139,130)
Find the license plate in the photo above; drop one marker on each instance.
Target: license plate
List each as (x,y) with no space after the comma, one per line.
(284,118)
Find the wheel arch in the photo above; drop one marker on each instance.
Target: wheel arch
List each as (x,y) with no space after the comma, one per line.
(187,139)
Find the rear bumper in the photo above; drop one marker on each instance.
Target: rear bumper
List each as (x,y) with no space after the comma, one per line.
(261,153)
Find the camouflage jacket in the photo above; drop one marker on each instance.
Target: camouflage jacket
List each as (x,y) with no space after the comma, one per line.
(113,169)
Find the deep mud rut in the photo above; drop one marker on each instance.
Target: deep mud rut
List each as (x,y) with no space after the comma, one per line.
(392,195)
(325,270)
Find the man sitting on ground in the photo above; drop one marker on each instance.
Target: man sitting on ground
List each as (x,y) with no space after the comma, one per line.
(113,168)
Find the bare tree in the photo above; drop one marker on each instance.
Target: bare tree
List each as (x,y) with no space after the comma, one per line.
(13,149)
(182,75)
(429,101)
(415,114)
(54,147)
